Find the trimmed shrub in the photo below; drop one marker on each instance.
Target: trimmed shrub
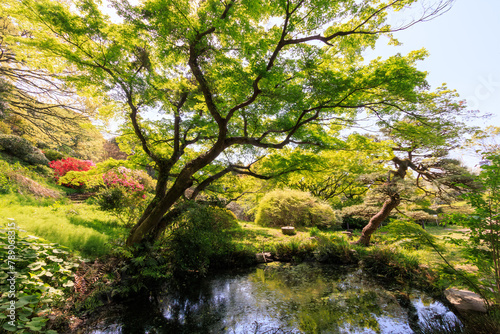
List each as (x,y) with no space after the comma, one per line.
(22,149)
(394,264)
(334,249)
(294,208)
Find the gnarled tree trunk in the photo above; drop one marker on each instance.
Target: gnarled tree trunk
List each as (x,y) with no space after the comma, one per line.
(390,204)
(374,223)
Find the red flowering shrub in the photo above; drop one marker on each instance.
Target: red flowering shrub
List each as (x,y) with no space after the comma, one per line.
(63,166)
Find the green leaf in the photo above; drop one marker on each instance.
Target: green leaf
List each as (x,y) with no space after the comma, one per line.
(25,312)
(34,327)
(23,318)
(54,258)
(29,299)
(37,265)
(9,328)
(68,284)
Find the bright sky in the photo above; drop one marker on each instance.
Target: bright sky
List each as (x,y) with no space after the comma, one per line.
(464,47)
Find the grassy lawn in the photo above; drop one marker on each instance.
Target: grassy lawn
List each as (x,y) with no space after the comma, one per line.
(80,227)
(90,232)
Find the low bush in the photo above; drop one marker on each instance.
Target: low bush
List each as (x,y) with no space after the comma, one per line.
(335,249)
(124,193)
(419,217)
(394,264)
(22,149)
(293,250)
(199,238)
(294,208)
(63,166)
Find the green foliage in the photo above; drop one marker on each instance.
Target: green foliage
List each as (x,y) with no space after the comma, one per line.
(335,249)
(337,176)
(5,186)
(121,203)
(22,149)
(53,155)
(199,238)
(483,244)
(394,265)
(44,273)
(293,250)
(123,192)
(294,208)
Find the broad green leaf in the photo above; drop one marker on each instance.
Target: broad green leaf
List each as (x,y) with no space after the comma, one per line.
(9,327)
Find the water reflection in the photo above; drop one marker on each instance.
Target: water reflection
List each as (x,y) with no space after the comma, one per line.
(280,298)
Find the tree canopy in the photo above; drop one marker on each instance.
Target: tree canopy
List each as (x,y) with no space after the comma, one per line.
(211,84)
(423,135)
(36,103)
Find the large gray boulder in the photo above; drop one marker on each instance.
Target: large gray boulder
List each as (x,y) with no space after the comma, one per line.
(465,301)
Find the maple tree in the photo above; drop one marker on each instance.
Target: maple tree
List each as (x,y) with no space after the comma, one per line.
(228,80)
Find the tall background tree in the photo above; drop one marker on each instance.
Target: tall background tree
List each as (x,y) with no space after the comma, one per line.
(38,104)
(423,134)
(228,78)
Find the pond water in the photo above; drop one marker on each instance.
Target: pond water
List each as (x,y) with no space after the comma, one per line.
(280,298)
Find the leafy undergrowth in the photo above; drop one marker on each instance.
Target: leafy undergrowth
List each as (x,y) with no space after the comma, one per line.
(35,276)
(432,248)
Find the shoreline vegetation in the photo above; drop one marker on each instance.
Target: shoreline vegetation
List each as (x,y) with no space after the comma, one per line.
(72,262)
(107,274)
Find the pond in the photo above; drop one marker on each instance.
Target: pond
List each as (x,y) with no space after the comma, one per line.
(280,298)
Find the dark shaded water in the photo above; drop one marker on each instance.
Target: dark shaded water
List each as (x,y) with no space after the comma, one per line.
(278,298)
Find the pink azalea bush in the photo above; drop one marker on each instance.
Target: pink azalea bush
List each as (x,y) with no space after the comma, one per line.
(124,194)
(133,181)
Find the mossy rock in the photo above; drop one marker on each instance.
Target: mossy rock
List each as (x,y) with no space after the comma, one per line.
(288,230)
